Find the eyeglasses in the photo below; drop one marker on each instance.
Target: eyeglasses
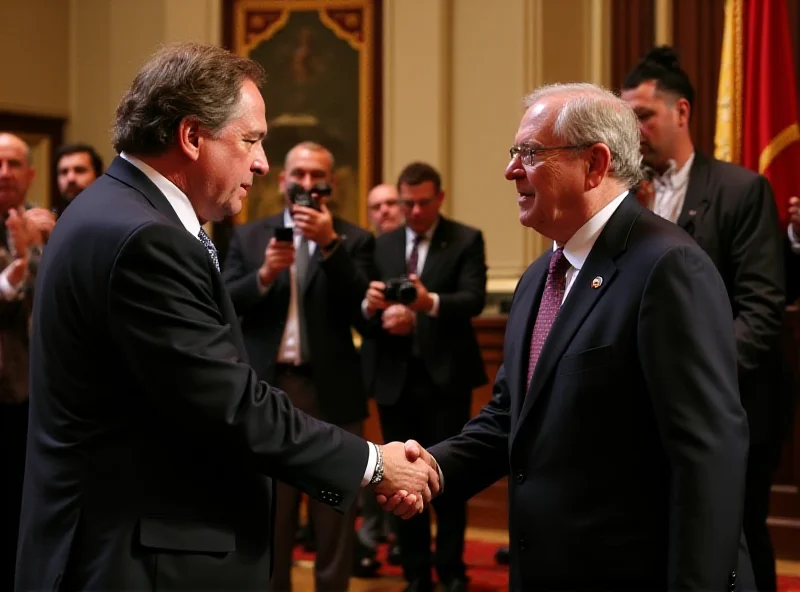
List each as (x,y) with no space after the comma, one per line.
(410,203)
(528,153)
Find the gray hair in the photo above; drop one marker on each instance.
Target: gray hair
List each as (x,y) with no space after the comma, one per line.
(592,114)
(179,81)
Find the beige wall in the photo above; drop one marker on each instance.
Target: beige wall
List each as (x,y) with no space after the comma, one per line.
(34,38)
(110,40)
(455,73)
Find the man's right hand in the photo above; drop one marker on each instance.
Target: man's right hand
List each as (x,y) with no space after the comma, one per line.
(278,256)
(375,299)
(794,212)
(407,485)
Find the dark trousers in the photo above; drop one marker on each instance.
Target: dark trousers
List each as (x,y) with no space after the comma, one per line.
(334,532)
(761,464)
(13,436)
(428,414)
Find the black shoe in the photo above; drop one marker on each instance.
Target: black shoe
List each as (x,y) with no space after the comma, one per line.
(456,585)
(502,556)
(367,567)
(419,586)
(394,556)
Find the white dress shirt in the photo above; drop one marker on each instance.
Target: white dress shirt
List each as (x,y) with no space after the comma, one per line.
(794,240)
(183,208)
(670,190)
(577,248)
(289,350)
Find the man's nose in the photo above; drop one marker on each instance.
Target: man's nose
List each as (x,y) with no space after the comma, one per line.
(260,165)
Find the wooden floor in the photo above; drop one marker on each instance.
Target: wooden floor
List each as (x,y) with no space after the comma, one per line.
(303,574)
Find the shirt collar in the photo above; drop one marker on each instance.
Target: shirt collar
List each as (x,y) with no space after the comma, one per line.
(176,198)
(577,248)
(426,236)
(674,177)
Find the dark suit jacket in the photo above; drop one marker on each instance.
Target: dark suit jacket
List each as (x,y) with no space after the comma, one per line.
(455,268)
(731,213)
(151,437)
(627,454)
(332,297)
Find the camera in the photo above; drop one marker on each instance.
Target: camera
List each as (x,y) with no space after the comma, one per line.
(401,290)
(310,199)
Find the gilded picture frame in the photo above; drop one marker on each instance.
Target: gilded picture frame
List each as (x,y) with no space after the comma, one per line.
(322,85)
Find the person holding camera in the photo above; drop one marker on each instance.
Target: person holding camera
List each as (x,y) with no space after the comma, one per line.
(297,280)
(427,360)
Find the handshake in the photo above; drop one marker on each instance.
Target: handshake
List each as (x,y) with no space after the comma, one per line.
(411,479)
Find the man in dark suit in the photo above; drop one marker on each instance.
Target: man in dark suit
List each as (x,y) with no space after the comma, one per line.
(151,438)
(427,359)
(731,213)
(616,411)
(298,301)
(23,231)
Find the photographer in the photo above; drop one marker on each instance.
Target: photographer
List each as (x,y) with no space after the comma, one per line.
(427,360)
(296,280)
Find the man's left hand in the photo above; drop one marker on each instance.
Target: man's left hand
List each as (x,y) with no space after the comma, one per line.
(398,320)
(315,225)
(424,301)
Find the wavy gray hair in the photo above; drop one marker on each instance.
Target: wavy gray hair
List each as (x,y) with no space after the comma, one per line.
(592,114)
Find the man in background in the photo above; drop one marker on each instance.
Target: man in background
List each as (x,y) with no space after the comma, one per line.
(22,235)
(77,166)
(385,215)
(427,360)
(731,213)
(298,297)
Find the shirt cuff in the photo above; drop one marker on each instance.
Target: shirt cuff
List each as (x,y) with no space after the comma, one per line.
(8,291)
(434,311)
(793,239)
(371,462)
(441,475)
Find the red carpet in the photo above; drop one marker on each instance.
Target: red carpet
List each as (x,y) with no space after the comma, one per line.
(486,576)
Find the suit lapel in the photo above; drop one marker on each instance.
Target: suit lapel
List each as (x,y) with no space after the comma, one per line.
(695,203)
(580,301)
(436,248)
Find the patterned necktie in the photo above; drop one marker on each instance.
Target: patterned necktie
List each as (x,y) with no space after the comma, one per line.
(413,258)
(301,261)
(212,250)
(554,289)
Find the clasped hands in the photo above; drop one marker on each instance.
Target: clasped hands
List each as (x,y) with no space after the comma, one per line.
(410,479)
(27,228)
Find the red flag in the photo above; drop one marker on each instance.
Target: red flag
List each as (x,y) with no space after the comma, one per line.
(770,132)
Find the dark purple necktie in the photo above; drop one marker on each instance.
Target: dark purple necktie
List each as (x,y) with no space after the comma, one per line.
(554,289)
(413,258)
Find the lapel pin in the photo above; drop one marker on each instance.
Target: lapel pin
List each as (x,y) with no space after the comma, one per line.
(597,282)
(692,213)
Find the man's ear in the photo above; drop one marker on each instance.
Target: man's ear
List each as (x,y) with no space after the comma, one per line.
(597,165)
(190,137)
(684,111)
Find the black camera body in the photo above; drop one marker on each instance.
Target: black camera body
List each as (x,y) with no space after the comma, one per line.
(310,199)
(401,290)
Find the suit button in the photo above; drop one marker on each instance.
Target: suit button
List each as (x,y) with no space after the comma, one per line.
(521,543)
(520,477)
